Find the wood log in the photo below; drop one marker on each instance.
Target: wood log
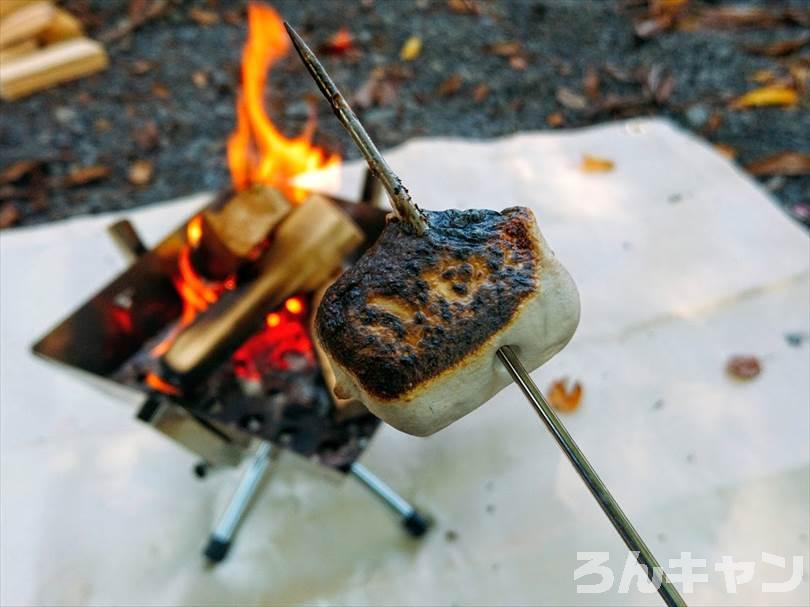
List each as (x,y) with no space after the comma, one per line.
(9,6)
(49,66)
(232,233)
(63,26)
(18,50)
(25,22)
(308,247)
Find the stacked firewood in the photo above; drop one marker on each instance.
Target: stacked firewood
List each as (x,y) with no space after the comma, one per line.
(42,45)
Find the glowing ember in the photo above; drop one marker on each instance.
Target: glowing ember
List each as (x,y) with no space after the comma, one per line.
(273,319)
(161,385)
(257,151)
(294,305)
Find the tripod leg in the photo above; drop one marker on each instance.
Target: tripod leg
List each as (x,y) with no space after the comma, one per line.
(415,523)
(220,540)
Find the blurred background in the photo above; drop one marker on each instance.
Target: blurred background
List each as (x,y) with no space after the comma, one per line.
(153,125)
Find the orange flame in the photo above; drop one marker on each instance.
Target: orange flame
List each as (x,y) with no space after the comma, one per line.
(257,151)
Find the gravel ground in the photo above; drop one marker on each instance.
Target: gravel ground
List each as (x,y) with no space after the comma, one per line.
(168,96)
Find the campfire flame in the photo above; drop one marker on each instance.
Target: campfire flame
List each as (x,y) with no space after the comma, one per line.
(257,151)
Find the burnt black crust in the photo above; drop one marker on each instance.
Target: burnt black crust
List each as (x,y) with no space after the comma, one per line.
(488,260)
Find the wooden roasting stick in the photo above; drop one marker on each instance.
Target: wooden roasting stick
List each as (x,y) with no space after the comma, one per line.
(307,248)
(506,354)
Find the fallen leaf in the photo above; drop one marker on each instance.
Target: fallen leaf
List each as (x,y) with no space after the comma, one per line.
(505,49)
(771,95)
(595,164)
(480,93)
(159,90)
(714,122)
(200,79)
(780,48)
(618,73)
(652,26)
(659,83)
(734,16)
(9,215)
(555,119)
(140,66)
(590,83)
(743,367)
(102,125)
(87,174)
(18,170)
(563,399)
(800,72)
(232,17)
(570,99)
(726,150)
(339,43)
(762,76)
(783,163)
(203,17)
(518,63)
(464,7)
(140,172)
(146,135)
(411,49)
(450,86)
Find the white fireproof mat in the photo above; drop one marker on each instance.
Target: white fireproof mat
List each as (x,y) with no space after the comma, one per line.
(681,261)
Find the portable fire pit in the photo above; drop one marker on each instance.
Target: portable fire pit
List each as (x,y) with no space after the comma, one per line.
(228,365)
(214,324)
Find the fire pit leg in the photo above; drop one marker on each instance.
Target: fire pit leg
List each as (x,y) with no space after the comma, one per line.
(220,541)
(415,523)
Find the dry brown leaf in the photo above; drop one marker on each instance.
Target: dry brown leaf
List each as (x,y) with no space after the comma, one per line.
(450,86)
(18,170)
(743,367)
(772,95)
(480,93)
(146,135)
(140,172)
(555,119)
(783,163)
(595,164)
(203,17)
(780,48)
(563,399)
(570,99)
(9,215)
(590,83)
(102,125)
(140,66)
(464,7)
(378,90)
(726,150)
(762,77)
(159,90)
(518,63)
(741,15)
(713,123)
(200,79)
(411,49)
(507,48)
(83,175)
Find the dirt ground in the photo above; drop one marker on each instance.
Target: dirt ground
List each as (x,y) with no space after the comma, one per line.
(153,126)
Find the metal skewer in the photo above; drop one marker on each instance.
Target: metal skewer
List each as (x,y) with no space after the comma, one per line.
(506,354)
(401,199)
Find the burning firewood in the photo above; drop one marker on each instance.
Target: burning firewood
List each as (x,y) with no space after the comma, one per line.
(307,248)
(233,233)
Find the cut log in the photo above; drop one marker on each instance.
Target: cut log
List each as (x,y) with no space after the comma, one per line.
(49,66)
(9,6)
(18,50)
(308,247)
(25,22)
(63,26)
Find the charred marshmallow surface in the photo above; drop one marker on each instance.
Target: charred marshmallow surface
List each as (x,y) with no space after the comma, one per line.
(412,328)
